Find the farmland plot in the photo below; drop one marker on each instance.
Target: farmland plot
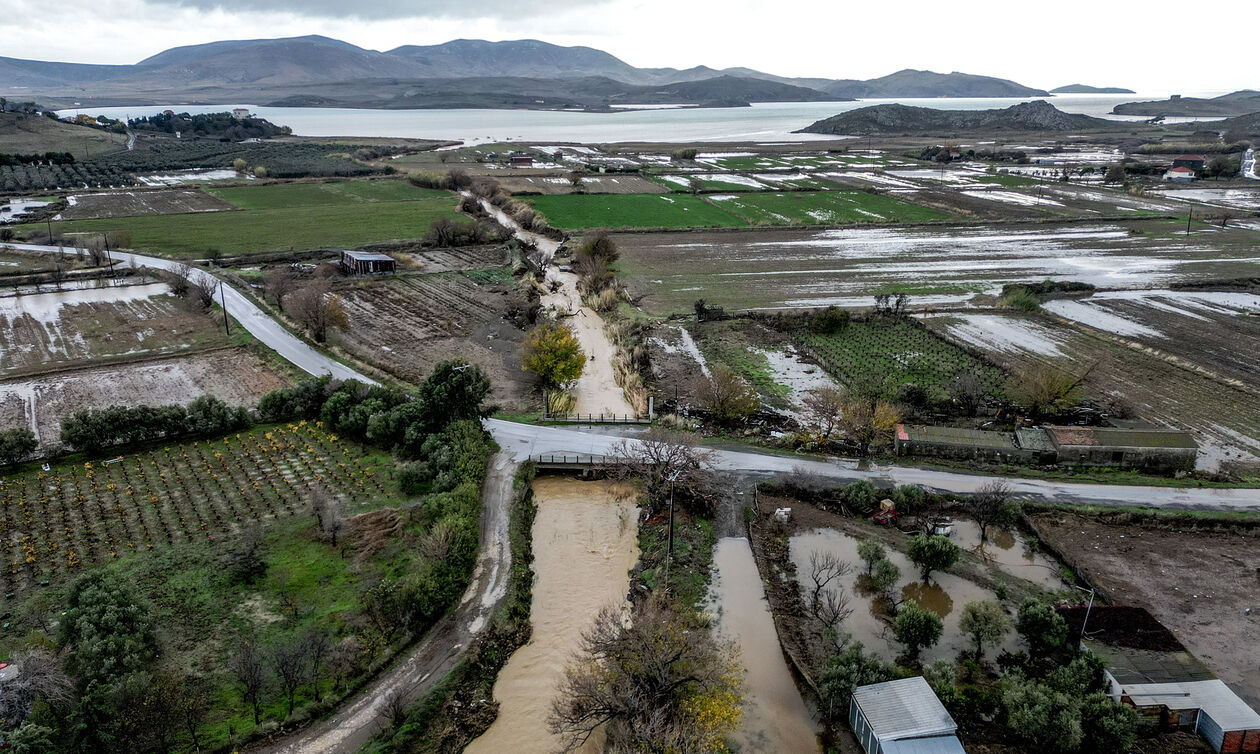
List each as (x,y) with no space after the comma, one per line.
(764,269)
(405,325)
(824,208)
(57,523)
(234,375)
(135,203)
(44,331)
(1162,387)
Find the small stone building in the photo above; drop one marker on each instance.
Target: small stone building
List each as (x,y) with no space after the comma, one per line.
(366,262)
(959,443)
(902,717)
(1150,449)
(1192,161)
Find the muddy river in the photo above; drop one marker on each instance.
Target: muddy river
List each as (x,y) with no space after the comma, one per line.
(585,542)
(775,718)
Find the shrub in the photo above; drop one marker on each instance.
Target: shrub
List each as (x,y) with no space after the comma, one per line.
(829,321)
(861,496)
(908,498)
(845,672)
(16,444)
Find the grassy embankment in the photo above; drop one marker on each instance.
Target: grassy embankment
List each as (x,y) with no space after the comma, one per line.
(287,216)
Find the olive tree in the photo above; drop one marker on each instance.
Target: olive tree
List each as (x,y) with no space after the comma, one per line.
(917,628)
(934,553)
(985,622)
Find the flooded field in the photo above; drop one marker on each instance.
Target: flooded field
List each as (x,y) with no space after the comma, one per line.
(944,595)
(775,718)
(787,269)
(585,542)
(43,331)
(235,376)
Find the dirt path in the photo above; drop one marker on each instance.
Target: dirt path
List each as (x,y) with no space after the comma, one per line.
(597,391)
(353,724)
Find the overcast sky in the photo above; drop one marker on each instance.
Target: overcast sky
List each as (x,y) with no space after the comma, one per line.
(1099,42)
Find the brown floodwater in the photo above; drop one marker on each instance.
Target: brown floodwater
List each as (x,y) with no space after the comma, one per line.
(585,542)
(1010,552)
(944,595)
(775,718)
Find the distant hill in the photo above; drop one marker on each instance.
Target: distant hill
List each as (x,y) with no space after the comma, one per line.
(1235,103)
(912,83)
(316,68)
(1086,89)
(904,119)
(1248,124)
(24,134)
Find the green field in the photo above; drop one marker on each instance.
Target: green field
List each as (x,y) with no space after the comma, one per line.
(729,210)
(633,211)
(892,352)
(825,208)
(287,216)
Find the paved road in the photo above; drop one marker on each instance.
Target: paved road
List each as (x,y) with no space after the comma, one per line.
(255,320)
(524,440)
(353,724)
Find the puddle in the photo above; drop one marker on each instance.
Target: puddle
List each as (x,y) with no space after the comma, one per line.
(1009,551)
(997,332)
(775,718)
(944,595)
(190,176)
(585,542)
(45,308)
(15,210)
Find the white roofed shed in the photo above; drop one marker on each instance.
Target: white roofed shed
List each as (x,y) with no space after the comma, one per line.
(902,717)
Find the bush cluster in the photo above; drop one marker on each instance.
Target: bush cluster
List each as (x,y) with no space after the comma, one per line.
(117,426)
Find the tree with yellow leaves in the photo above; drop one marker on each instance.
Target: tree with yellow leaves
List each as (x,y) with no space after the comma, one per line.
(657,683)
(868,421)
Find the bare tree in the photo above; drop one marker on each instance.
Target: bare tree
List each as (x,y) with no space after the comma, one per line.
(823,410)
(318,309)
(824,568)
(57,273)
(727,397)
(345,660)
(40,677)
(192,705)
(248,669)
(393,708)
(318,648)
(288,659)
(991,506)
(967,391)
(280,283)
(1044,389)
(179,279)
(662,460)
(327,511)
(203,287)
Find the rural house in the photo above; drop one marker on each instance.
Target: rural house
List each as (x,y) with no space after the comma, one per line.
(366,262)
(521,161)
(1148,668)
(1153,449)
(1193,161)
(902,717)
(240,113)
(1180,174)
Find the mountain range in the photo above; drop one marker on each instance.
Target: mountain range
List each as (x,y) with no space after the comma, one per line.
(461,73)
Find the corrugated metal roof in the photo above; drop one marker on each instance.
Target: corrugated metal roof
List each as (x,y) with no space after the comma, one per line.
(933,745)
(1110,437)
(1213,697)
(960,436)
(367,256)
(1033,439)
(905,708)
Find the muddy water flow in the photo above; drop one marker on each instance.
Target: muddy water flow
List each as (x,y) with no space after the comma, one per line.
(775,718)
(585,542)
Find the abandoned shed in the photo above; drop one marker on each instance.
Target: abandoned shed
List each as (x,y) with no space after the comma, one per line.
(902,717)
(1153,449)
(366,262)
(958,443)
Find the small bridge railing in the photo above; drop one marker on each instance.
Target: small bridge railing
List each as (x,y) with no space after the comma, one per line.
(596,419)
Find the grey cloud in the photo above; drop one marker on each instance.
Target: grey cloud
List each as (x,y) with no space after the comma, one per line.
(381,10)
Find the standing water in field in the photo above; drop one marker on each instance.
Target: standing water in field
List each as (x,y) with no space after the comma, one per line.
(775,718)
(585,542)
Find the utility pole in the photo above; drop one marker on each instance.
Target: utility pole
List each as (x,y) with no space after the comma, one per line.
(223,296)
(669,559)
(108,257)
(50,238)
(1188,218)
